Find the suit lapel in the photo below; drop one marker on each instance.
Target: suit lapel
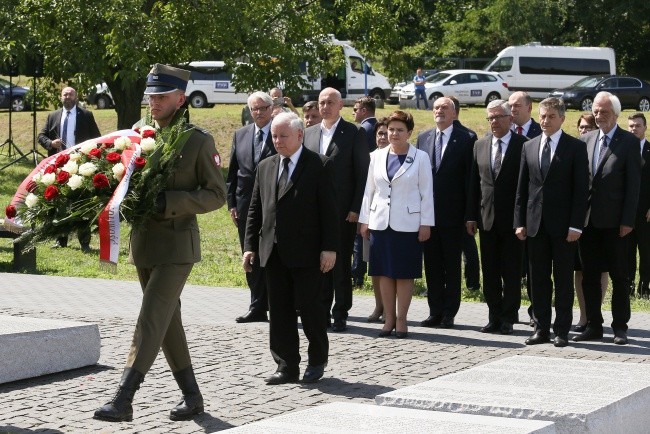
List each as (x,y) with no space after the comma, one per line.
(267,148)
(591,146)
(534,148)
(338,133)
(273,167)
(450,146)
(312,138)
(381,159)
(613,144)
(408,162)
(300,165)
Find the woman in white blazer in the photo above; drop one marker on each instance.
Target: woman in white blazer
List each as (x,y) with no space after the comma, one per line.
(396,216)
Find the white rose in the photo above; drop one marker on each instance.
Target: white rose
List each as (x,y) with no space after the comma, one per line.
(74,156)
(75,182)
(148,144)
(31,200)
(118,170)
(121,143)
(37,177)
(87,147)
(48,179)
(87,169)
(71,167)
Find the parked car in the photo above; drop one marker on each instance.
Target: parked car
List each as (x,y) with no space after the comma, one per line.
(470,86)
(632,92)
(100,95)
(16,100)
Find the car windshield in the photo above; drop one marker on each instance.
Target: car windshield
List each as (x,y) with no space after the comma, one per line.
(435,78)
(587,82)
(4,82)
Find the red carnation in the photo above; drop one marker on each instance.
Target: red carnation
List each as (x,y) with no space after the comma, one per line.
(95,153)
(113,157)
(62,177)
(31,186)
(51,192)
(50,169)
(140,162)
(107,145)
(137,130)
(10,211)
(148,133)
(61,159)
(100,181)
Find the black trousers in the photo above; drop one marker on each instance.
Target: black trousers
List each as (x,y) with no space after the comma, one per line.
(442,268)
(359,266)
(83,235)
(337,284)
(598,248)
(501,254)
(470,259)
(255,279)
(552,256)
(290,289)
(640,239)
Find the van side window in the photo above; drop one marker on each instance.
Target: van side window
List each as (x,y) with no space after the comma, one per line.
(356,64)
(563,66)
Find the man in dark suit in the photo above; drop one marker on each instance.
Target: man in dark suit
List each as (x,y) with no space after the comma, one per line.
(297,183)
(490,208)
(521,105)
(470,251)
(364,115)
(65,128)
(640,236)
(165,250)
(450,150)
(250,145)
(615,168)
(550,209)
(346,146)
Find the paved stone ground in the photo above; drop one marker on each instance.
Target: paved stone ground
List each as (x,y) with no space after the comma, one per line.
(231,360)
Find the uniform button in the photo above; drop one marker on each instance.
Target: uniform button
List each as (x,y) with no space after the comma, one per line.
(388,203)
(389,196)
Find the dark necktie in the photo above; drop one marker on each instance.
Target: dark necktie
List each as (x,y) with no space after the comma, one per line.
(259,141)
(546,158)
(603,149)
(498,156)
(438,150)
(284,176)
(64,130)
(520,130)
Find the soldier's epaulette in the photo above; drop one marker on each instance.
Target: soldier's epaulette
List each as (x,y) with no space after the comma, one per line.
(199,129)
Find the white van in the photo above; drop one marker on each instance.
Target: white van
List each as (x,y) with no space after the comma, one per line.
(210,83)
(539,69)
(351,80)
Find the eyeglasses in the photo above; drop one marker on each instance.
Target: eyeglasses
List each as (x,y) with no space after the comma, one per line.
(260,109)
(494,118)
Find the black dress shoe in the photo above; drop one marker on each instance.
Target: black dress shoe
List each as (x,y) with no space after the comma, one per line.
(401,335)
(590,334)
(620,337)
(491,327)
(339,325)
(538,338)
(447,322)
(385,333)
(561,341)
(281,378)
(252,316)
(431,321)
(506,328)
(313,373)
(579,328)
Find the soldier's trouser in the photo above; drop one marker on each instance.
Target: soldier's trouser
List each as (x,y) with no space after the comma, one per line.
(159,323)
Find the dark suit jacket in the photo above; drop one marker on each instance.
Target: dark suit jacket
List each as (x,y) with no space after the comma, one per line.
(303,219)
(469,131)
(535,130)
(491,201)
(241,171)
(348,153)
(644,192)
(451,181)
(86,129)
(614,188)
(560,199)
(368,124)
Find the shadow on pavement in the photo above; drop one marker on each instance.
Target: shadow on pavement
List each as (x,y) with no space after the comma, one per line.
(210,423)
(15,430)
(336,386)
(53,378)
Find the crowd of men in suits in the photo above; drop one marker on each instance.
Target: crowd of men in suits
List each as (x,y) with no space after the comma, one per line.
(535,194)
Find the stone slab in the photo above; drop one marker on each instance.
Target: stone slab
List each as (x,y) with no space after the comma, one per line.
(348,417)
(580,396)
(30,347)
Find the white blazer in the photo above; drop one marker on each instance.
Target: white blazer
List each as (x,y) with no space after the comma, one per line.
(406,202)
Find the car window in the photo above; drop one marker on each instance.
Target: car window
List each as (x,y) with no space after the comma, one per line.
(356,63)
(460,78)
(474,78)
(609,83)
(486,78)
(436,78)
(628,82)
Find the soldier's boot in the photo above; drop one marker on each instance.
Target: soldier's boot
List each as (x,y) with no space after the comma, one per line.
(192,403)
(120,409)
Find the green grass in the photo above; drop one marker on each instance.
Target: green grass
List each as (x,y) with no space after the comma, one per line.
(221,265)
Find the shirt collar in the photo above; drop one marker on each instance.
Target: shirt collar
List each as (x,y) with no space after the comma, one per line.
(505,139)
(330,130)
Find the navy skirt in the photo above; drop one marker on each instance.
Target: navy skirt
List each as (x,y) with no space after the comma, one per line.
(393,254)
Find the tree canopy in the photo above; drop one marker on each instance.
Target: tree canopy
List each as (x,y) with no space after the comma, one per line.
(267,41)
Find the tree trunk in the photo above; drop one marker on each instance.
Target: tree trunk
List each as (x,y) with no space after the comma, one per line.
(127,97)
